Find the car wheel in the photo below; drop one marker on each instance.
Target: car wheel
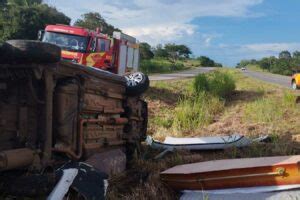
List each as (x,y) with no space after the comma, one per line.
(294,85)
(29,51)
(137,83)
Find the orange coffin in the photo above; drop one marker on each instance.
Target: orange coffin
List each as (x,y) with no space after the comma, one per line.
(235,173)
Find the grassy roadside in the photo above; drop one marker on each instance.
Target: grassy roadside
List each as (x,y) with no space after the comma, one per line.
(254,108)
(258,107)
(159,65)
(255,68)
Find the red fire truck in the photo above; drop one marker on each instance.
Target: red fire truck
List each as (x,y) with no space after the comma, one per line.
(118,54)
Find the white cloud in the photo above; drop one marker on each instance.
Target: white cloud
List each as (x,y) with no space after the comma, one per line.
(231,54)
(272,47)
(157,33)
(157,21)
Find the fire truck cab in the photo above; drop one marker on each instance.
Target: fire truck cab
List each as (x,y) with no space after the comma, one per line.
(118,54)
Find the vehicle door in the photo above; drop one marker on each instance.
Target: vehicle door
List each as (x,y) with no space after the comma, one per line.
(97,53)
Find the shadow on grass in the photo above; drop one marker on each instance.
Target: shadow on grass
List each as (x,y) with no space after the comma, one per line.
(244,96)
(165,95)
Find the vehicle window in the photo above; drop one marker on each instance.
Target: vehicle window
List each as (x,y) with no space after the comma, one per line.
(66,41)
(103,45)
(93,45)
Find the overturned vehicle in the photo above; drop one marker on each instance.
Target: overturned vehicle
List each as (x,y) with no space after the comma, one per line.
(56,114)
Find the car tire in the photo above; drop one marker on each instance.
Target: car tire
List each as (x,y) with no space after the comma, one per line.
(136,83)
(29,51)
(294,85)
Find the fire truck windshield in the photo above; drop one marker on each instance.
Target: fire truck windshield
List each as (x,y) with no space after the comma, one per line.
(66,41)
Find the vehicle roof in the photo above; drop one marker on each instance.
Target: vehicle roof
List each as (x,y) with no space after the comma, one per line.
(74,30)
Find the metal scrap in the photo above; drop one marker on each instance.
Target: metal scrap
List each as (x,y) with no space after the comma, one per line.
(203,143)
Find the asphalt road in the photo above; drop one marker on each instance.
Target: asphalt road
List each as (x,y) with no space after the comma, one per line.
(284,81)
(182,74)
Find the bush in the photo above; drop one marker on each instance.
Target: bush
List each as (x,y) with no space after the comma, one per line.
(193,113)
(201,83)
(220,84)
(160,66)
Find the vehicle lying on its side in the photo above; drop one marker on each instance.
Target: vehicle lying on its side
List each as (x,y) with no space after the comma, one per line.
(54,112)
(295,81)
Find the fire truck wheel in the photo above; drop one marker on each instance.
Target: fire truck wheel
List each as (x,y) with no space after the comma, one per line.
(137,83)
(29,51)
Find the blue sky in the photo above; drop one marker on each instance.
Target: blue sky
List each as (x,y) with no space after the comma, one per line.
(225,30)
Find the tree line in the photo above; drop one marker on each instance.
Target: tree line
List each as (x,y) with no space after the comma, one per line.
(173,52)
(286,63)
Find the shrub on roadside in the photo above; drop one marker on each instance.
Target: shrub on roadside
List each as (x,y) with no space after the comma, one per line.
(220,84)
(201,83)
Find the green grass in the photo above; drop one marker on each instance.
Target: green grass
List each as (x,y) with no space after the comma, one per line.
(188,105)
(253,108)
(193,113)
(254,68)
(270,110)
(161,66)
(218,83)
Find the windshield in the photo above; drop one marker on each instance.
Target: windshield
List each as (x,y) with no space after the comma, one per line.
(66,41)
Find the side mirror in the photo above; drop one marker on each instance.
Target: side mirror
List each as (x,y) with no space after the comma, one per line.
(41,35)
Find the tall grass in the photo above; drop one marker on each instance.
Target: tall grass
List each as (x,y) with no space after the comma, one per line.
(160,66)
(205,103)
(193,113)
(217,83)
(270,109)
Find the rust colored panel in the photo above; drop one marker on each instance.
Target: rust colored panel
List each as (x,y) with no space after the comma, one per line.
(100,103)
(221,174)
(16,158)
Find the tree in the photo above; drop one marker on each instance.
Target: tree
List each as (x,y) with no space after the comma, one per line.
(281,66)
(160,52)
(265,64)
(218,65)
(296,55)
(26,3)
(145,51)
(93,20)
(21,19)
(178,51)
(206,61)
(285,55)
(296,61)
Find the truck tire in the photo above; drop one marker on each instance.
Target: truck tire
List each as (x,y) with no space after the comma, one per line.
(29,51)
(137,83)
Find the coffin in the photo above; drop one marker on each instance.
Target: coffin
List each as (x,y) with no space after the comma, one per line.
(234,173)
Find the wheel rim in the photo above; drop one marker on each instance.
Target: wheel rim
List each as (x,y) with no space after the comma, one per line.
(294,86)
(134,79)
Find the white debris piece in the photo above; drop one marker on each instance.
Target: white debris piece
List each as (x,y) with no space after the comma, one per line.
(203,143)
(286,192)
(63,185)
